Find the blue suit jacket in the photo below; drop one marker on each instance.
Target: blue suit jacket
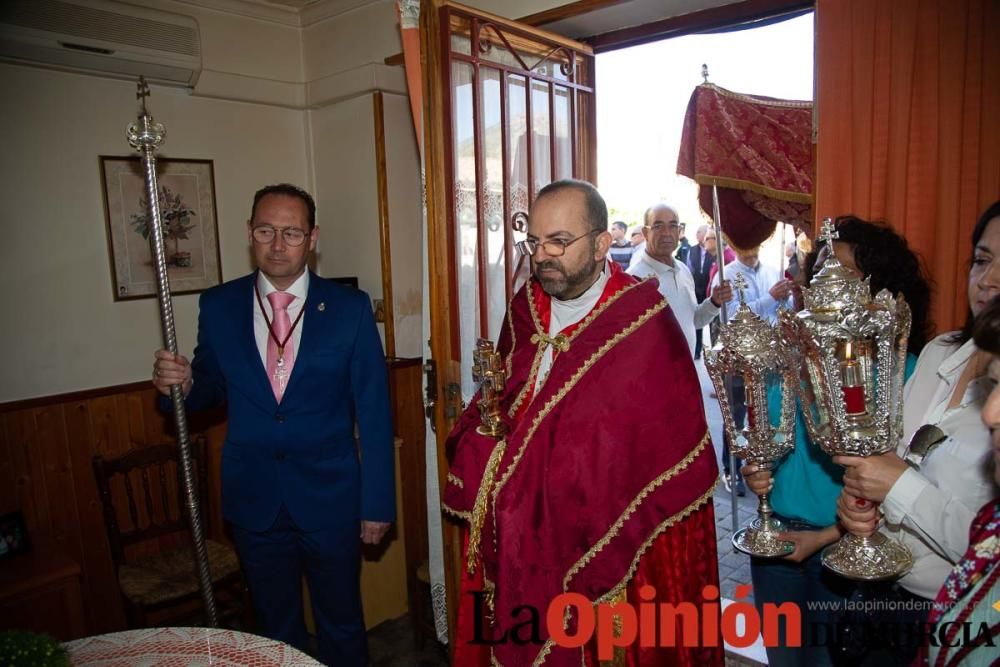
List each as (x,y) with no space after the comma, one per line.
(302,452)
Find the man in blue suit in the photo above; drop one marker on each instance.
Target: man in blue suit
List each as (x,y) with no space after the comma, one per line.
(298,360)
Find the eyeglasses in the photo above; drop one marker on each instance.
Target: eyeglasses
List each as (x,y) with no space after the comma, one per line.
(660,226)
(293,236)
(553,248)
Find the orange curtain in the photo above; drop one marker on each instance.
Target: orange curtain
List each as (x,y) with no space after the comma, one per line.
(908,102)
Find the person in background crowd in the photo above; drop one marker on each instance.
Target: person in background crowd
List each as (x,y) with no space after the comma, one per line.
(621,249)
(683,246)
(700,262)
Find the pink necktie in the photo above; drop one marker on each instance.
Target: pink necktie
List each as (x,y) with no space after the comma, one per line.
(279,367)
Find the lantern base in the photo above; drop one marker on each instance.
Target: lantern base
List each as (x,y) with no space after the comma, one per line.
(867,558)
(758,539)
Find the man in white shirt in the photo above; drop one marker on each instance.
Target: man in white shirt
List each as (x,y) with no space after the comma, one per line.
(766,287)
(662,231)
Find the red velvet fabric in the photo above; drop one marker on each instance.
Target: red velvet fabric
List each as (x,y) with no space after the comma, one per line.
(582,492)
(759,152)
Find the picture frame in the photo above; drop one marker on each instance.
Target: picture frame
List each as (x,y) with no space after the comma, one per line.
(13,535)
(191,231)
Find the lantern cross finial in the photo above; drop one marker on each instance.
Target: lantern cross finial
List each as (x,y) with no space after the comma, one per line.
(828,232)
(740,283)
(142,92)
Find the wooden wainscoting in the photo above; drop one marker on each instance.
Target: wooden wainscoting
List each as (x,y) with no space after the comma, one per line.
(46,447)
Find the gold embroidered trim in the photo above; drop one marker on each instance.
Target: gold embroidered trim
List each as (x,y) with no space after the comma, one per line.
(465,516)
(741,184)
(536,363)
(785,104)
(479,509)
(509,361)
(616,527)
(618,588)
(558,396)
(455,480)
(680,516)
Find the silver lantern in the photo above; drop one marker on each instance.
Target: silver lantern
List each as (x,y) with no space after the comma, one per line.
(754,357)
(854,355)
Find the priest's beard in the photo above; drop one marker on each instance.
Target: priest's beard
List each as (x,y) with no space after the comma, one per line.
(567,283)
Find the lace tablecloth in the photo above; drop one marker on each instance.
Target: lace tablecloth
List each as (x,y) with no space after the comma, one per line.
(184,647)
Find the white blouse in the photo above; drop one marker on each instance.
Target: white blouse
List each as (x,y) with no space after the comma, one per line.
(930,511)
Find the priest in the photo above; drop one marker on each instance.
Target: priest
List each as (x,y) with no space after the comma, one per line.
(573,499)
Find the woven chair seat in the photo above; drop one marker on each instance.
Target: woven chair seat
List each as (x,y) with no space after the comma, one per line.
(171,574)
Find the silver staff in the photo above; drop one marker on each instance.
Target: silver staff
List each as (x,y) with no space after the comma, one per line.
(720,261)
(144,136)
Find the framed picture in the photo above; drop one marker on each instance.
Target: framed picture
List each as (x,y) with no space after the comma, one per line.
(190,229)
(13,536)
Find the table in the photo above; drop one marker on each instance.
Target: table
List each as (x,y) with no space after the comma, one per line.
(41,593)
(184,647)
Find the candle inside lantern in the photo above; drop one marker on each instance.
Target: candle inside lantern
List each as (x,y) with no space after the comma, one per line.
(852,386)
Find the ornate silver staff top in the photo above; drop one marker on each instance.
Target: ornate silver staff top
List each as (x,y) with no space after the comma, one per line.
(146,133)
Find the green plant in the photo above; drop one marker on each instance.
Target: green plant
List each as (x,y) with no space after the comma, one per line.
(176,217)
(26,649)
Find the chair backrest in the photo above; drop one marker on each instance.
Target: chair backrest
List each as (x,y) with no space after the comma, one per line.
(155,503)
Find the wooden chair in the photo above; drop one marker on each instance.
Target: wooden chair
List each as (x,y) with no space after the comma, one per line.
(153,557)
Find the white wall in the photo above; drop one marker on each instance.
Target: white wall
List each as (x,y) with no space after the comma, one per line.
(405,220)
(343,137)
(62,331)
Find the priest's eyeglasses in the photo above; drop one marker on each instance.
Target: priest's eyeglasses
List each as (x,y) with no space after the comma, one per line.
(553,248)
(292,236)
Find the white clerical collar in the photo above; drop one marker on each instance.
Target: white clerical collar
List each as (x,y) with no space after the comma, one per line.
(298,289)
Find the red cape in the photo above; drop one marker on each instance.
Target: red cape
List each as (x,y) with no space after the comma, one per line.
(608,456)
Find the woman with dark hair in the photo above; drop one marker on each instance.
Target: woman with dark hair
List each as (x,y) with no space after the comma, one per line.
(929,501)
(808,482)
(973,587)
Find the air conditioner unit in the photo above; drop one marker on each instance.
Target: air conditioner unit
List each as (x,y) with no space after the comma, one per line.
(101,37)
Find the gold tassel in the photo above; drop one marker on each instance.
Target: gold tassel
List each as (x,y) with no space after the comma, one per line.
(619,658)
(482,498)
(559,341)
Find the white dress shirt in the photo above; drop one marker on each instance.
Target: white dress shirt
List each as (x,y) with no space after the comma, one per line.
(299,289)
(760,280)
(930,511)
(568,313)
(677,287)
